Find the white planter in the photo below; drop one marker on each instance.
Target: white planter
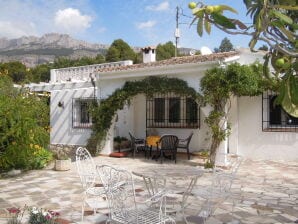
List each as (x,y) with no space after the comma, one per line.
(63,164)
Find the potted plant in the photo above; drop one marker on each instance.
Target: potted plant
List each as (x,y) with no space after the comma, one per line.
(62,162)
(121,143)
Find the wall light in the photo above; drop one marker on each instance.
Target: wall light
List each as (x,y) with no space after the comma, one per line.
(61,104)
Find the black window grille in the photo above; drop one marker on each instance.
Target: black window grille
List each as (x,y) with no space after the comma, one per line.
(274,118)
(81,117)
(172,111)
(159,109)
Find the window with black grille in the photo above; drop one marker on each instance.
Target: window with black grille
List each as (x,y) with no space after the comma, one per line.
(170,110)
(274,118)
(81,117)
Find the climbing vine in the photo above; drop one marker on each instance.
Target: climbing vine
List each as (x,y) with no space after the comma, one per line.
(218,85)
(104,111)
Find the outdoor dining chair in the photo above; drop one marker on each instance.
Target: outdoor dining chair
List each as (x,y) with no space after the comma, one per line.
(184,144)
(89,179)
(167,147)
(220,189)
(137,144)
(213,197)
(120,191)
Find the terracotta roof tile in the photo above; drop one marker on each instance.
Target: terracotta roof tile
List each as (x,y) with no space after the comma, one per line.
(172,61)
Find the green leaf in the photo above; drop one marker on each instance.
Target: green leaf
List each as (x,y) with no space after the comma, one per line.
(252,44)
(287,104)
(281,16)
(223,21)
(293,85)
(277,23)
(226,7)
(200,26)
(207,26)
(194,19)
(287,7)
(238,23)
(281,95)
(288,33)
(198,12)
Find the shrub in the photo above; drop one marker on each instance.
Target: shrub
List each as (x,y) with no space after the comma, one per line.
(24,127)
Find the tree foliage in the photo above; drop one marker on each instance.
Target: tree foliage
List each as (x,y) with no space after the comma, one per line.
(24,128)
(15,70)
(225,45)
(275,23)
(165,51)
(120,51)
(218,85)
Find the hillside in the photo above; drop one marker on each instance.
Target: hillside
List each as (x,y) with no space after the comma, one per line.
(32,50)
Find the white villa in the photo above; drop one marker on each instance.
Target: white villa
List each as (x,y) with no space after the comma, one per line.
(259,130)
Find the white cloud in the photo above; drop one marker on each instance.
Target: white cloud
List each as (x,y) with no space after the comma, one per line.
(160,7)
(71,21)
(15,30)
(145,25)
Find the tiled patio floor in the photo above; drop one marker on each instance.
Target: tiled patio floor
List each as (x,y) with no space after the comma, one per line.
(264,191)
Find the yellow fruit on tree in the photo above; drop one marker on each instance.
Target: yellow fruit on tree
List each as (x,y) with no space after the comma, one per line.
(280,62)
(192,5)
(217,8)
(209,9)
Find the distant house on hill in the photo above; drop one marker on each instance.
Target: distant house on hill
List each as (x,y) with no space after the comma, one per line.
(259,130)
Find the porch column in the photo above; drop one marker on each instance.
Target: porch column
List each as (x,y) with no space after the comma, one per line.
(108,144)
(223,147)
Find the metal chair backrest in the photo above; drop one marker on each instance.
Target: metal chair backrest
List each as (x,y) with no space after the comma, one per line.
(168,142)
(132,140)
(119,187)
(188,139)
(219,192)
(85,167)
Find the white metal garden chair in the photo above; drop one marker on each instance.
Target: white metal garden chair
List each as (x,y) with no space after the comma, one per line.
(86,169)
(120,191)
(219,191)
(213,197)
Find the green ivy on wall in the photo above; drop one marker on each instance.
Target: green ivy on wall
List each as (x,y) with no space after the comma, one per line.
(104,112)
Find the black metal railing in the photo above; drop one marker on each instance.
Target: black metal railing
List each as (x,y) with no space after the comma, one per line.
(172,111)
(81,116)
(274,118)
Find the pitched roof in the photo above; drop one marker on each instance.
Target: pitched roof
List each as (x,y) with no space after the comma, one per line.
(172,61)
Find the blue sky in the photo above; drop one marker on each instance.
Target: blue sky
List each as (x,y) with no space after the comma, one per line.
(138,22)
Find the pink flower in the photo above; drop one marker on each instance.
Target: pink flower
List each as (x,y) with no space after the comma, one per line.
(14,210)
(53,213)
(48,217)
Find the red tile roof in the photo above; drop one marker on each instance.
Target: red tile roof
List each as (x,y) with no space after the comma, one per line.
(172,61)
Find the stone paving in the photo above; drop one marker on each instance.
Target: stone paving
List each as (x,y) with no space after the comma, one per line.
(263,192)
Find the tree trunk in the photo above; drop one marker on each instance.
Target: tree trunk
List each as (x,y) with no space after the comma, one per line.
(213,149)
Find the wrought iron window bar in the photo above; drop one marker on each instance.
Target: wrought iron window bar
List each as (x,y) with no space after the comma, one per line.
(172,111)
(274,118)
(81,116)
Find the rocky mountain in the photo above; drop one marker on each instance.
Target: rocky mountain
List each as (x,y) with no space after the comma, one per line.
(33,50)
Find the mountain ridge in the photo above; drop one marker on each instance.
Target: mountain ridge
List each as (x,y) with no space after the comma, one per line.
(32,50)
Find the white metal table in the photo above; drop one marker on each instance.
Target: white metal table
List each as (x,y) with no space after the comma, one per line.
(156,177)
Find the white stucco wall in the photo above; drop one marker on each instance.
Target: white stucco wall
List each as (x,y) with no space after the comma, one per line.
(256,144)
(62,131)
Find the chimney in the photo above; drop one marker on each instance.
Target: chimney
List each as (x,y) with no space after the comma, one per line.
(149,54)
